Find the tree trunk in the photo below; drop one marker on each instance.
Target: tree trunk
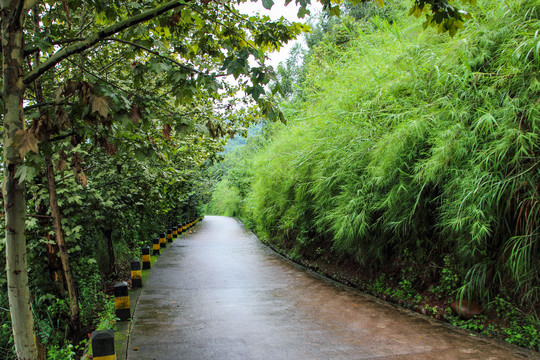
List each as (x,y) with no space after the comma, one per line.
(74,311)
(22,322)
(55,266)
(52,250)
(111,266)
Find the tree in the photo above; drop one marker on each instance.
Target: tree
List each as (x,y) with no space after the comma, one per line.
(58,43)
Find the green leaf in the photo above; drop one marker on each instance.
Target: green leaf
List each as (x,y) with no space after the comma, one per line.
(21,173)
(302,12)
(268,4)
(256,92)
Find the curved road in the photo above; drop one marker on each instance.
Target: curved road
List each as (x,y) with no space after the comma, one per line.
(219,294)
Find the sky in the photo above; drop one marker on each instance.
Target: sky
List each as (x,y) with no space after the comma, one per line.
(278,10)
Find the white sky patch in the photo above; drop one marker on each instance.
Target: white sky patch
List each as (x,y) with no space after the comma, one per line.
(278,10)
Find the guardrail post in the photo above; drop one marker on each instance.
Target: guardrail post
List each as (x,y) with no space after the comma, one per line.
(103,345)
(162,240)
(146,264)
(136,274)
(155,246)
(121,301)
(169,235)
(174,232)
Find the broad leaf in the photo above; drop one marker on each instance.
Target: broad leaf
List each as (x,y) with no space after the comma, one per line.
(100,105)
(26,141)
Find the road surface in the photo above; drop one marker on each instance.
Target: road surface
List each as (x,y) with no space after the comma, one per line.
(218,293)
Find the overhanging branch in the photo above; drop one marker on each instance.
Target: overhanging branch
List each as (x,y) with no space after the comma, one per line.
(157,54)
(98,37)
(30,51)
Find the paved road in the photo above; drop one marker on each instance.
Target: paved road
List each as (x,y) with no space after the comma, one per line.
(219,294)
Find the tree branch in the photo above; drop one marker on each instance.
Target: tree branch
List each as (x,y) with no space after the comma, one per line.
(28,52)
(18,11)
(112,63)
(51,103)
(40,216)
(60,137)
(84,69)
(98,37)
(156,53)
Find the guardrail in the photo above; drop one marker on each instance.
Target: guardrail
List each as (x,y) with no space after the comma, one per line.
(103,347)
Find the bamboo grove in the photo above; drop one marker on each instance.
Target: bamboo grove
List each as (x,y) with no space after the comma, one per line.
(401,144)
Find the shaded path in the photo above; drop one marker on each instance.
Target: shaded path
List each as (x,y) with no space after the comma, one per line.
(220,294)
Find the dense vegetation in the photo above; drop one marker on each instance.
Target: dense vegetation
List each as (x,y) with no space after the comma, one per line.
(411,150)
(123,203)
(112,110)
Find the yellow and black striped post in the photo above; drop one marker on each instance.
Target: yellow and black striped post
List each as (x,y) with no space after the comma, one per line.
(179,229)
(155,246)
(121,301)
(146,257)
(136,274)
(103,345)
(162,240)
(184,227)
(169,235)
(174,232)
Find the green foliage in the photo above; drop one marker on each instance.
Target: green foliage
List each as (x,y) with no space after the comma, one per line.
(233,176)
(6,342)
(65,353)
(226,200)
(449,281)
(514,327)
(379,285)
(107,317)
(131,123)
(519,329)
(404,140)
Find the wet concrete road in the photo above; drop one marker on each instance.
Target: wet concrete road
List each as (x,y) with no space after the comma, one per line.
(219,294)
